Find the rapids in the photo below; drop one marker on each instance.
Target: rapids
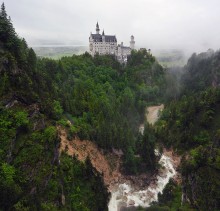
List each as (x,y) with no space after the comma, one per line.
(124,195)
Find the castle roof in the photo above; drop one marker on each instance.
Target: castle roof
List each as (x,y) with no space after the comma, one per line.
(125,47)
(108,38)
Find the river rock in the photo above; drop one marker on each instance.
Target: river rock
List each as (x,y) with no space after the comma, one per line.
(153,185)
(120,205)
(119,197)
(132,208)
(124,198)
(150,194)
(131,202)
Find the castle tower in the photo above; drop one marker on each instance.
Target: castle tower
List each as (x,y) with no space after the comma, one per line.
(97,28)
(103,36)
(132,42)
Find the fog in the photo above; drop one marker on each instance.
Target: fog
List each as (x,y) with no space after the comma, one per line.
(191,25)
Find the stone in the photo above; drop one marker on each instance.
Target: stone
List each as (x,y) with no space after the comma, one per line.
(131,202)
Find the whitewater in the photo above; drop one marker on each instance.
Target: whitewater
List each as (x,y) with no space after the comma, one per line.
(125,195)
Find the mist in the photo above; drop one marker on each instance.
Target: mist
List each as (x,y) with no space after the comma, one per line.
(189,25)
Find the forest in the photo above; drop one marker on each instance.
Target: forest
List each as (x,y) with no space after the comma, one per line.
(105,102)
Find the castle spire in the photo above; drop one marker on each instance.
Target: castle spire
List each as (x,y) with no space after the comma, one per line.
(132,42)
(97,28)
(103,36)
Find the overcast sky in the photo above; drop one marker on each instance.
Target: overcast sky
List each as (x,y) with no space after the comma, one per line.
(164,24)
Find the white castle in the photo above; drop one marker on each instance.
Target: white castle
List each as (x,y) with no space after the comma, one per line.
(107,44)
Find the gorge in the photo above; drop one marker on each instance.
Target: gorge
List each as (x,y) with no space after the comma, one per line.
(126,192)
(128,195)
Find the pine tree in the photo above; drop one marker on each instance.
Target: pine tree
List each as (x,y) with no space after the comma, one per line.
(7,33)
(3,13)
(148,146)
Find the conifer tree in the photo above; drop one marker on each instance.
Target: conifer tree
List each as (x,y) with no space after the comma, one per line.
(7,32)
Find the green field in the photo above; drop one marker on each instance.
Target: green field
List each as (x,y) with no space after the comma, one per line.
(56,52)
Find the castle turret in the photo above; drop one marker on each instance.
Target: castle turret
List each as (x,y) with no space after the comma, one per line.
(103,36)
(97,28)
(132,42)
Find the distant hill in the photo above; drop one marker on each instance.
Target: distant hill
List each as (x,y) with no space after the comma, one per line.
(171,57)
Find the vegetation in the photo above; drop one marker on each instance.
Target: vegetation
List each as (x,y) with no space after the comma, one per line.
(32,173)
(34,176)
(202,71)
(191,126)
(103,101)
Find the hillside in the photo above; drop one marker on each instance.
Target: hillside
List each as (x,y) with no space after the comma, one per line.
(191,125)
(102,100)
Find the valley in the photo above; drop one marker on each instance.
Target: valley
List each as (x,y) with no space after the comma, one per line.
(89,132)
(126,191)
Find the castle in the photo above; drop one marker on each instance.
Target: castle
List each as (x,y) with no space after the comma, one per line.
(107,44)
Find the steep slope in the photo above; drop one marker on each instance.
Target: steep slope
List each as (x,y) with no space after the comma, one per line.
(201,71)
(191,126)
(100,160)
(33,175)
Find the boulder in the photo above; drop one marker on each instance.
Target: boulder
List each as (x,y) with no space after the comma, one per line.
(131,202)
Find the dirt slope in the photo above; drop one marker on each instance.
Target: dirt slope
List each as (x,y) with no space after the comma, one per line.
(152,113)
(107,164)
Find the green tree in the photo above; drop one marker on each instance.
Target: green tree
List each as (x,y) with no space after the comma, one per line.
(148,147)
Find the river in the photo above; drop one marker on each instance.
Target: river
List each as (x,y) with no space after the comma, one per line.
(124,196)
